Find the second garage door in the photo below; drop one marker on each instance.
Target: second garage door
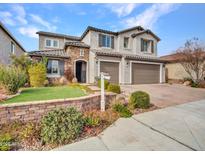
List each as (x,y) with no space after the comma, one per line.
(112,68)
(145,73)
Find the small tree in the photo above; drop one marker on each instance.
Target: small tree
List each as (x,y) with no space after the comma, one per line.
(192,58)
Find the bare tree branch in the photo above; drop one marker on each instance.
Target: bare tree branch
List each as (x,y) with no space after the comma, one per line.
(192,58)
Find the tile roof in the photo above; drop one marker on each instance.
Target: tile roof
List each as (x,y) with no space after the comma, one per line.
(148,32)
(77,44)
(50,53)
(60,35)
(130,29)
(98,30)
(128,56)
(8,33)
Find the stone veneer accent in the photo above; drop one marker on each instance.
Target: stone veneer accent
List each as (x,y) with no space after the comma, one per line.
(33,111)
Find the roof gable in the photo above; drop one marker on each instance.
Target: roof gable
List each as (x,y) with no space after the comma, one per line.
(11,36)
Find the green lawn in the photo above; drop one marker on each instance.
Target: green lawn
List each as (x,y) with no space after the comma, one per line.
(46,93)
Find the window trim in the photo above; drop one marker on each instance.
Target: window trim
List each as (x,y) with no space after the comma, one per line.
(128,43)
(148,45)
(82,52)
(58,69)
(110,42)
(13,47)
(52,43)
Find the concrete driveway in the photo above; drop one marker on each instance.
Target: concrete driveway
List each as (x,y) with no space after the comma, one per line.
(173,128)
(163,95)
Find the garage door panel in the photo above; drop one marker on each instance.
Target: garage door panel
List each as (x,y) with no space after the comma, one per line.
(145,73)
(112,68)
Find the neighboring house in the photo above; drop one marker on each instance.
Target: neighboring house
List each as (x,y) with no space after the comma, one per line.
(8,46)
(174,70)
(129,56)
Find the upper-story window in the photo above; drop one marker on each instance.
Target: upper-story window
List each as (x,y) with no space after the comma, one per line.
(106,41)
(144,45)
(52,43)
(12,47)
(126,42)
(147,45)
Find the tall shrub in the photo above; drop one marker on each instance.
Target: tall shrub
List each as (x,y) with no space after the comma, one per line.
(37,74)
(22,62)
(12,78)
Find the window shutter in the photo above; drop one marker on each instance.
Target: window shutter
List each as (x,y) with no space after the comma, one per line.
(112,42)
(61,66)
(100,40)
(152,46)
(142,47)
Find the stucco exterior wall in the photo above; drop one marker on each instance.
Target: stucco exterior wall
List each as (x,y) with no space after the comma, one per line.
(94,36)
(42,42)
(134,43)
(5,48)
(138,45)
(175,71)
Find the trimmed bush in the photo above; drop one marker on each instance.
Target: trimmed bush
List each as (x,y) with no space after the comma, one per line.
(114,88)
(61,125)
(12,78)
(106,83)
(92,119)
(5,142)
(139,99)
(37,74)
(122,110)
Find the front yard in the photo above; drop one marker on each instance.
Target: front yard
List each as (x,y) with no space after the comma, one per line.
(47,93)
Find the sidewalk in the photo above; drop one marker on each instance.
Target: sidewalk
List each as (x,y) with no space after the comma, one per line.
(173,128)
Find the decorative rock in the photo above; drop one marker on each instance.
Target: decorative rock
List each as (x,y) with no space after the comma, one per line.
(74,80)
(187,83)
(63,80)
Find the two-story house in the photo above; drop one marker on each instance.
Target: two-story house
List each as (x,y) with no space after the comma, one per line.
(8,46)
(129,56)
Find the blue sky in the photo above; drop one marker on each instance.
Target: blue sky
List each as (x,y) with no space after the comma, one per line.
(173,23)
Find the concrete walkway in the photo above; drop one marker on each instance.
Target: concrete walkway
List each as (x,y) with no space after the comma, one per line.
(179,127)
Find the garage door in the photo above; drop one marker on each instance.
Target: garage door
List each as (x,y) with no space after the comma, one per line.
(112,69)
(145,73)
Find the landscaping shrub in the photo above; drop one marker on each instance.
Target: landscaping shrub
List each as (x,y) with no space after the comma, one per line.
(61,125)
(92,119)
(114,88)
(12,78)
(37,74)
(30,131)
(122,110)
(106,83)
(139,99)
(5,142)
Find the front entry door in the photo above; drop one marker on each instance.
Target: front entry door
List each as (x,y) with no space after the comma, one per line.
(81,71)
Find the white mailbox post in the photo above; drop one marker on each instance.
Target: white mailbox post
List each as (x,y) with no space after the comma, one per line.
(103,76)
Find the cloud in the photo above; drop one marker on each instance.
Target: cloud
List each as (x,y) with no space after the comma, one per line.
(37,19)
(29,31)
(150,16)
(20,14)
(122,10)
(6,17)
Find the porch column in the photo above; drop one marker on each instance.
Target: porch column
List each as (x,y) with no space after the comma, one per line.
(161,74)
